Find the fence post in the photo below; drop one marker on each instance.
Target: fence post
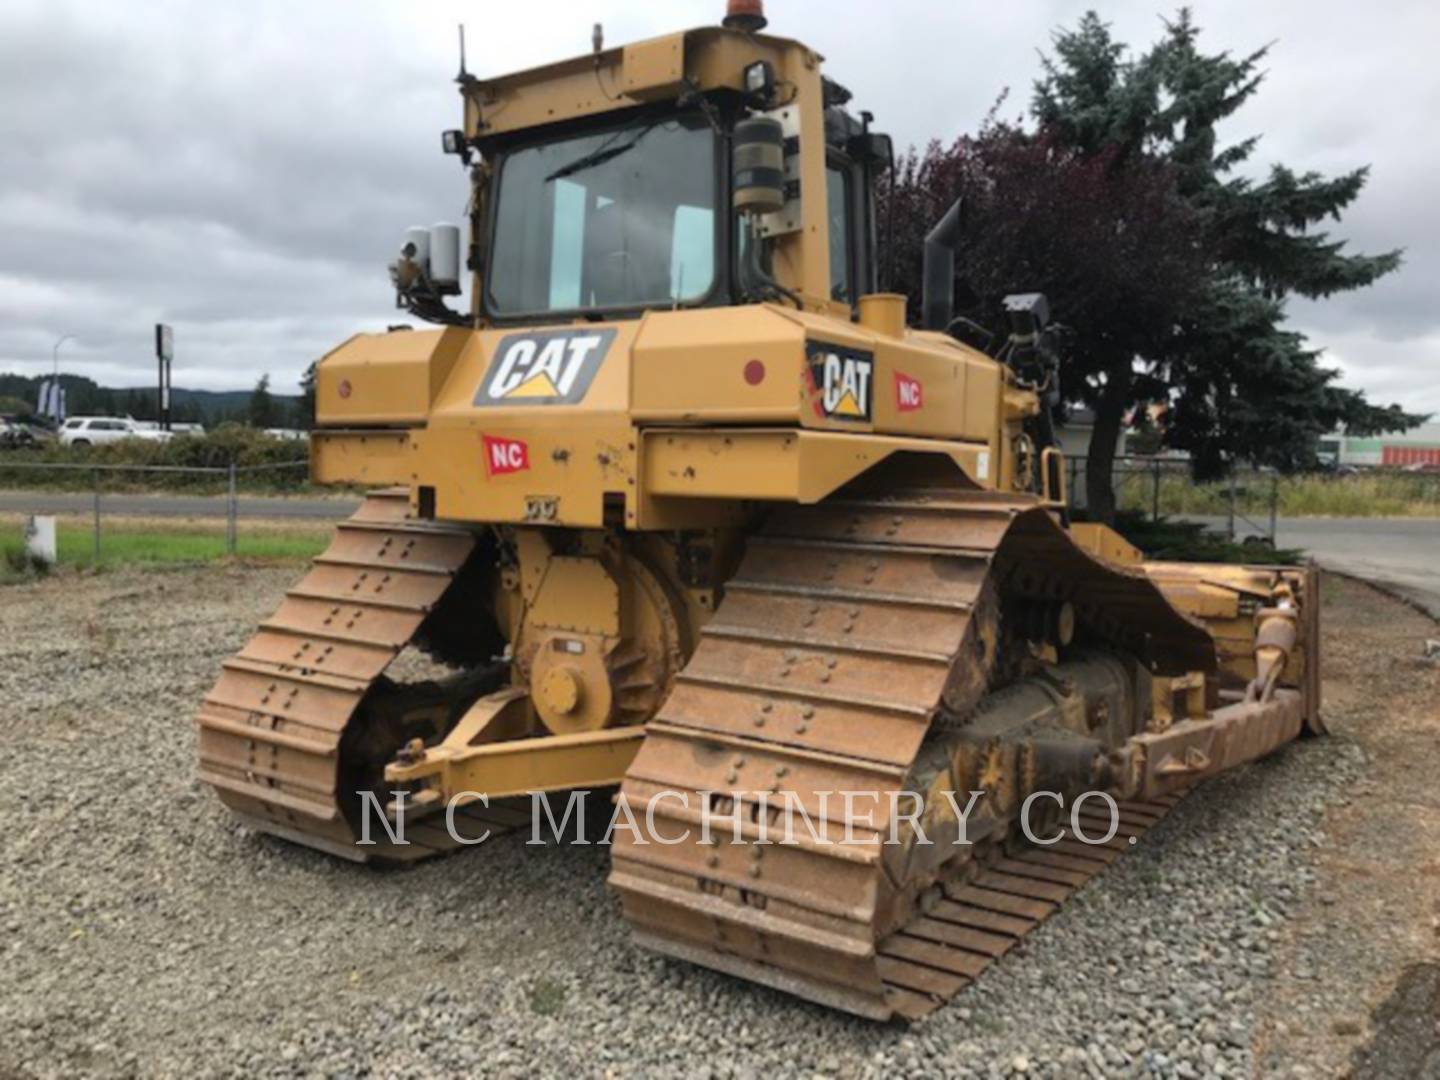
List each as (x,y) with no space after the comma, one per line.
(231,511)
(1155,496)
(1230,528)
(96,558)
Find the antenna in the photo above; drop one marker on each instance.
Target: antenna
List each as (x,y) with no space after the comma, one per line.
(597,38)
(464,75)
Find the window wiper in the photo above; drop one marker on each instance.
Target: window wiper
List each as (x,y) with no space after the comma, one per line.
(598,156)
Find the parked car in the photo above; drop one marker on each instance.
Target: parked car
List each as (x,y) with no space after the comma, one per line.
(174,429)
(15,434)
(99,430)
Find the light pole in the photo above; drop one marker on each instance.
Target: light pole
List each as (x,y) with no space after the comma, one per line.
(55,354)
(55,381)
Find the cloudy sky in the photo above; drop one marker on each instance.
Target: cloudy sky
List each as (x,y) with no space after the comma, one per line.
(243,171)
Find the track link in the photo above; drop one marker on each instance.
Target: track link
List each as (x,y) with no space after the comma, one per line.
(849,629)
(272,730)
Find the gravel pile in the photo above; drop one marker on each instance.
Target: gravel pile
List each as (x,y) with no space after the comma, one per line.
(146,931)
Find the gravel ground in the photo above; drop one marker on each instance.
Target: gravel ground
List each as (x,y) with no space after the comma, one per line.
(1359,951)
(146,932)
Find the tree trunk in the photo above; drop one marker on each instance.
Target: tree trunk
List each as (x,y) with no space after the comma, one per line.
(1100,462)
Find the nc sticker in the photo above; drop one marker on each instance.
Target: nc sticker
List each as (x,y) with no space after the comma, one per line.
(843,380)
(544,367)
(505,456)
(909,393)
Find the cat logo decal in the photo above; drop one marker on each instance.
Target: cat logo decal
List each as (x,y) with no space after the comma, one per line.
(842,381)
(546,367)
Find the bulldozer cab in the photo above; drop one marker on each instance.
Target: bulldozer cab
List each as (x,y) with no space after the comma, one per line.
(606,185)
(678,233)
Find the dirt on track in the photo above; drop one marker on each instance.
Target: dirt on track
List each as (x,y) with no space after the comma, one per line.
(145,932)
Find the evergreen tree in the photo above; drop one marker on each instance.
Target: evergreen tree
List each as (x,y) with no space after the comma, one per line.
(307,399)
(1240,385)
(261,411)
(185,411)
(1170,271)
(139,405)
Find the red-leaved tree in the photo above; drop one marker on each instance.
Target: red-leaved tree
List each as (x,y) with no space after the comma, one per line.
(1170,263)
(1104,236)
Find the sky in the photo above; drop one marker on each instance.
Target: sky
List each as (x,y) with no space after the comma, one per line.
(245,171)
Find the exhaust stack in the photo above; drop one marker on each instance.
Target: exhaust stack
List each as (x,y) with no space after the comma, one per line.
(938,302)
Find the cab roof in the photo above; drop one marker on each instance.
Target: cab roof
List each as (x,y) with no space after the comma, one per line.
(657,69)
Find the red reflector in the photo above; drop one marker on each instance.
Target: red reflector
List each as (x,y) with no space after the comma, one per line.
(754,372)
(344,388)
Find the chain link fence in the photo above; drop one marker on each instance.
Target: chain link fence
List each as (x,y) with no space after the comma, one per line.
(98,498)
(1247,504)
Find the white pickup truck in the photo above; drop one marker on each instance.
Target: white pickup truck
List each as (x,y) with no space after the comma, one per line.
(98,430)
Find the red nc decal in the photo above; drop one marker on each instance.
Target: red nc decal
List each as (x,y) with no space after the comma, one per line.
(909,394)
(504,456)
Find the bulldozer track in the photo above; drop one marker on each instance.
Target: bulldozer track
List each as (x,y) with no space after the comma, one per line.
(849,630)
(948,946)
(272,730)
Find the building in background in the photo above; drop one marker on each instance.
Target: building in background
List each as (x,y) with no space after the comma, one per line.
(1073,433)
(1140,436)
(1419,448)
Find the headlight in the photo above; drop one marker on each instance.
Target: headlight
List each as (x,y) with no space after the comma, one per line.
(760,79)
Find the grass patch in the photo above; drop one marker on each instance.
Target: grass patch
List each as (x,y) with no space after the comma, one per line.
(1369,494)
(18,563)
(144,542)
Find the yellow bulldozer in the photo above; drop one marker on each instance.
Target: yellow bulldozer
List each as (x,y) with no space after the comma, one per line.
(681,506)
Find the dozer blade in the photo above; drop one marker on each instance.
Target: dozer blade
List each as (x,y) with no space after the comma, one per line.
(273,731)
(848,632)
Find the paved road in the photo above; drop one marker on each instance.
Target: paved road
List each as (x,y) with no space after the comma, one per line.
(1402,554)
(40,502)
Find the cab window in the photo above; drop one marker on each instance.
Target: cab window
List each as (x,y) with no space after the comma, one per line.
(607,220)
